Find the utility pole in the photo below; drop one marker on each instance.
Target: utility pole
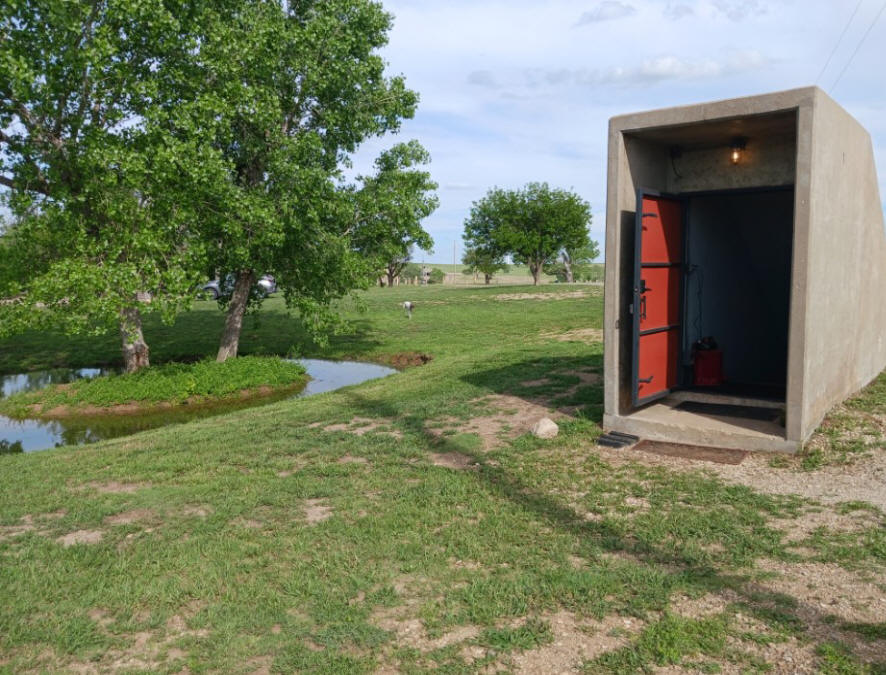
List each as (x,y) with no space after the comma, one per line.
(453,254)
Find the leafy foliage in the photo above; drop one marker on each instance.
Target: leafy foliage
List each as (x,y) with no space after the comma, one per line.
(390,206)
(575,265)
(97,180)
(531,225)
(485,261)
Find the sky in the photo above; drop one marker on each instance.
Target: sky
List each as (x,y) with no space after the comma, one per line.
(517,91)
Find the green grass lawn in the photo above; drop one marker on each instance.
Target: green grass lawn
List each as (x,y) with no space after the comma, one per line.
(411,525)
(167,385)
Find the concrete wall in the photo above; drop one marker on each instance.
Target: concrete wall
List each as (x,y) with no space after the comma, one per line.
(764,163)
(845,317)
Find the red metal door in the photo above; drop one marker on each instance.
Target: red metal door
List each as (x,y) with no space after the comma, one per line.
(658,275)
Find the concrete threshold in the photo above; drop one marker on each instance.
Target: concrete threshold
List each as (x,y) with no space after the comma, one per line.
(725,399)
(663,421)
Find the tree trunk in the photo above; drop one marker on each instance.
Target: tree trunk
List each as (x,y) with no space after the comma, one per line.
(488,278)
(230,339)
(391,276)
(135,349)
(535,268)
(567,267)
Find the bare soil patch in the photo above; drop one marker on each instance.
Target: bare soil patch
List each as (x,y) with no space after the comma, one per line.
(80,537)
(828,589)
(697,452)
(454,460)
(862,481)
(128,517)
(316,511)
(198,510)
(575,640)
(350,459)
(402,360)
(511,416)
(566,295)
(115,487)
(360,426)
(585,335)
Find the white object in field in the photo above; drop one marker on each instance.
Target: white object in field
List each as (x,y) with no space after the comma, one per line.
(545,428)
(408,306)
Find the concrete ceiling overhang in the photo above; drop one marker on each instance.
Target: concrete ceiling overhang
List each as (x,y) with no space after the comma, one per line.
(720,132)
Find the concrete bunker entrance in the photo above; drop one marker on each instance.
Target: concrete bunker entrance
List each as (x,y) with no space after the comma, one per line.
(731,259)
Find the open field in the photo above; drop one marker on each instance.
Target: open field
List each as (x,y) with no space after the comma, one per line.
(412,524)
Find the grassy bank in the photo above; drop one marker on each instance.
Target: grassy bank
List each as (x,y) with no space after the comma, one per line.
(169,385)
(412,524)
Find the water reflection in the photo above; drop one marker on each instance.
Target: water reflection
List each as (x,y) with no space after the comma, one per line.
(30,435)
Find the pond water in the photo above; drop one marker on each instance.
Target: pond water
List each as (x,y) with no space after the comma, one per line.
(43,434)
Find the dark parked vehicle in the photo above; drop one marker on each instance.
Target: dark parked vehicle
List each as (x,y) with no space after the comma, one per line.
(216,289)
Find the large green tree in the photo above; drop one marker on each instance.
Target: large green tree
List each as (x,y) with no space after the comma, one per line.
(391,205)
(98,182)
(294,87)
(532,225)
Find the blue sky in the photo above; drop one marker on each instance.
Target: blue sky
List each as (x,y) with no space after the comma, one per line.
(517,91)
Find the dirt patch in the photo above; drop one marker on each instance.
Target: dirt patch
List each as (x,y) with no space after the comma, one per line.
(128,517)
(248,523)
(26,524)
(863,481)
(535,383)
(827,589)
(316,511)
(575,641)
(584,335)
(703,607)
(80,537)
(454,460)
(410,632)
(568,295)
(510,416)
(116,487)
(197,510)
(800,527)
(783,655)
(146,650)
(350,459)
(696,452)
(360,426)
(406,359)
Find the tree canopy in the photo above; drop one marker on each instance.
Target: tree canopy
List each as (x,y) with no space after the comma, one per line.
(532,225)
(96,179)
(390,206)
(479,260)
(144,143)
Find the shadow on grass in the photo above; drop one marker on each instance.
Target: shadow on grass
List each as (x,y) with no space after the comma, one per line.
(785,616)
(569,384)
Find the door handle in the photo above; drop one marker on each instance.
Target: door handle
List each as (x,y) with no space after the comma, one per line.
(642,308)
(647,380)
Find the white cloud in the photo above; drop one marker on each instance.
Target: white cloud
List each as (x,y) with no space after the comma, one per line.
(482,78)
(608,10)
(675,12)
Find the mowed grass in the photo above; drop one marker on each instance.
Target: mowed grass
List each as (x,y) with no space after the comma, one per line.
(377,527)
(168,384)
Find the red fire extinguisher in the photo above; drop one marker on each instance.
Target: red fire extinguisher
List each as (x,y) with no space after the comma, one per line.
(708,363)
